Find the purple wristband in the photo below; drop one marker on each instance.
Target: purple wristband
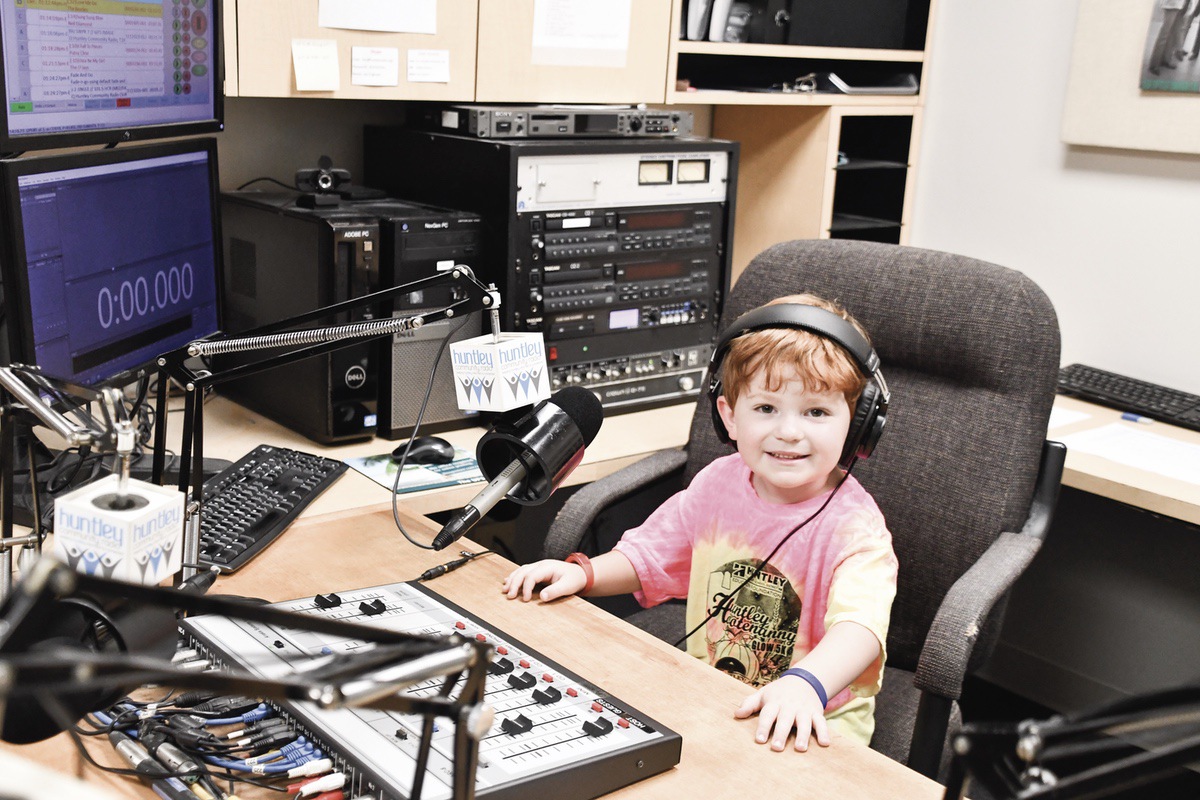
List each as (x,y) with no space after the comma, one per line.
(812,681)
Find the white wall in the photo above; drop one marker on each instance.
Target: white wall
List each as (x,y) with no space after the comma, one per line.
(1112,236)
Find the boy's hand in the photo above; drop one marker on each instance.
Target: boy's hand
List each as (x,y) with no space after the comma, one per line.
(563,579)
(786,702)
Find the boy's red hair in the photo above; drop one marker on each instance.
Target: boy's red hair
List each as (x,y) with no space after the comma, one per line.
(820,364)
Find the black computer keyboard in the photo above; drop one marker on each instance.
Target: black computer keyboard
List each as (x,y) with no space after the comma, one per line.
(248,505)
(1129,394)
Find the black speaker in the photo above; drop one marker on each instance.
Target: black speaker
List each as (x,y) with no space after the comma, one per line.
(849,23)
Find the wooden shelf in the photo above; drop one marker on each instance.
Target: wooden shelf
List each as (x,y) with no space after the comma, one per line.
(869,163)
(797,51)
(723,97)
(854,222)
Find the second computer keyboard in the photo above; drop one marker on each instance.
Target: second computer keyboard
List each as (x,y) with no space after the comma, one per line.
(247,505)
(1129,394)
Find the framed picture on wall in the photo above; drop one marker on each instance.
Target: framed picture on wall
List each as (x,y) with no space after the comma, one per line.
(1170,62)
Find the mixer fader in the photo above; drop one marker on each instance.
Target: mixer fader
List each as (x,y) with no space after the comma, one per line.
(554,734)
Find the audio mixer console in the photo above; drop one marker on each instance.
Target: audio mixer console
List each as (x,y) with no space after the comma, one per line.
(554,734)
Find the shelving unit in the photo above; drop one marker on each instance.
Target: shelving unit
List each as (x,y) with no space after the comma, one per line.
(790,184)
(718,73)
(870,187)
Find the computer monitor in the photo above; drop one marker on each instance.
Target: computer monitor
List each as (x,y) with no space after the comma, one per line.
(110,257)
(91,72)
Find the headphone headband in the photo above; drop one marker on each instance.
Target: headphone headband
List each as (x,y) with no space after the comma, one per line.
(799,317)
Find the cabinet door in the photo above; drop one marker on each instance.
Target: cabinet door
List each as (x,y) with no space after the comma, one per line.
(266,29)
(782,174)
(572,61)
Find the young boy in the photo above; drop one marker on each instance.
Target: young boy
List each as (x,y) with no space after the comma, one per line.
(784,559)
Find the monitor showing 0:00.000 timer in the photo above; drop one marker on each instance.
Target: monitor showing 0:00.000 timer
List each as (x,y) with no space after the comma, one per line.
(110,258)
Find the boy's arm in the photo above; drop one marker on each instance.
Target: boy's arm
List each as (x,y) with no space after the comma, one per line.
(612,571)
(846,650)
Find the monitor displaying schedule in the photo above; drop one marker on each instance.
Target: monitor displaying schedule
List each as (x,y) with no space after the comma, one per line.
(115,261)
(85,71)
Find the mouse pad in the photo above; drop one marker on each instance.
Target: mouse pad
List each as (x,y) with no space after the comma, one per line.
(416,477)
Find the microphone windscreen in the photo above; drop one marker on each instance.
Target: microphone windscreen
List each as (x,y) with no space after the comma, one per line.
(583,408)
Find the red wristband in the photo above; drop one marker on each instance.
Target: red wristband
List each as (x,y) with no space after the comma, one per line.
(588,573)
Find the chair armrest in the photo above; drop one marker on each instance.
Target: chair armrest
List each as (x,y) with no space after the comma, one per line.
(579,512)
(963,612)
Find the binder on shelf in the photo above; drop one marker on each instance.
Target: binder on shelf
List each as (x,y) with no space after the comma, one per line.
(699,12)
(719,20)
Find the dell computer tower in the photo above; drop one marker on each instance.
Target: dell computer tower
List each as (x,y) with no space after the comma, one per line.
(283,260)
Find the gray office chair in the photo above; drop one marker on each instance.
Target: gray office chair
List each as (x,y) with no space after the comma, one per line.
(963,473)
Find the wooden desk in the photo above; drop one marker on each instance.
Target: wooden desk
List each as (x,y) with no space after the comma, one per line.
(720,759)
(1107,609)
(230,431)
(1125,484)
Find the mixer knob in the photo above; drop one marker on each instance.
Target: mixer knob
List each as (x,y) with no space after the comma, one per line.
(521,724)
(687,383)
(597,727)
(522,681)
(547,696)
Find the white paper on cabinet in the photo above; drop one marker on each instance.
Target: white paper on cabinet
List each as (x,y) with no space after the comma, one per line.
(375,66)
(394,16)
(581,33)
(428,66)
(315,62)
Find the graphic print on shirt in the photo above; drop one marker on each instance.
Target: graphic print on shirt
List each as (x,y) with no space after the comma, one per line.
(754,638)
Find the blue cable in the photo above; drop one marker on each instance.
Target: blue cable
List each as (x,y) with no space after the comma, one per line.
(270,768)
(261,711)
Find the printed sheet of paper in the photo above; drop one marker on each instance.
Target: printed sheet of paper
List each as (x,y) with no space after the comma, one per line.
(375,66)
(581,33)
(428,66)
(416,477)
(1139,448)
(315,62)
(1062,417)
(394,16)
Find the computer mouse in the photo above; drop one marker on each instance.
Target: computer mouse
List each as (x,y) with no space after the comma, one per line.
(426,450)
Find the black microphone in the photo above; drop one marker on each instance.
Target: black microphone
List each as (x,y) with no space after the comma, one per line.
(526,460)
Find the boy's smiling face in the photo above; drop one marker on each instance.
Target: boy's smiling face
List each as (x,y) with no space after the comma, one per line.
(791,438)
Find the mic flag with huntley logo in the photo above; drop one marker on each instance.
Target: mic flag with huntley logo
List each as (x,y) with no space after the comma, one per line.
(500,373)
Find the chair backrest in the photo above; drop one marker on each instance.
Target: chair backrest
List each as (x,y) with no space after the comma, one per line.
(970,352)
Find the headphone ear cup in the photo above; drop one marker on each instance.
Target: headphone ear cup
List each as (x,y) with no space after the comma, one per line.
(718,424)
(865,427)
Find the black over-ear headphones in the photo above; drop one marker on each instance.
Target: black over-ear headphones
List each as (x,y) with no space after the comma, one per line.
(870,413)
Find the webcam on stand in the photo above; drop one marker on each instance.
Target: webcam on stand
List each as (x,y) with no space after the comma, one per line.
(326,185)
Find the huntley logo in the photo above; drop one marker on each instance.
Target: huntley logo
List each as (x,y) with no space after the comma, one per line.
(521,351)
(473,358)
(101,531)
(167,519)
(93,527)
(500,374)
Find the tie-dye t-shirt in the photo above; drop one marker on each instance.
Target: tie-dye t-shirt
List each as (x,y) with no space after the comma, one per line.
(703,542)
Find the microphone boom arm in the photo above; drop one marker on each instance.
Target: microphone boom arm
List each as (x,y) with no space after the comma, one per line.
(303,344)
